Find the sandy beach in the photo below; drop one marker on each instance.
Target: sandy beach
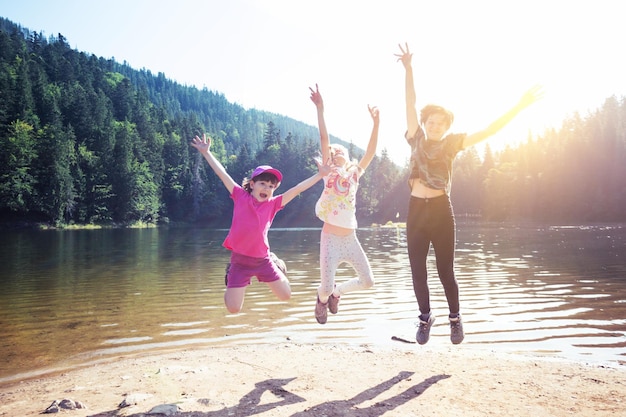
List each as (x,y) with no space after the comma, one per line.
(292,379)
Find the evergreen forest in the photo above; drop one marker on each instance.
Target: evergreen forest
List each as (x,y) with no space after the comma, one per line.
(89,141)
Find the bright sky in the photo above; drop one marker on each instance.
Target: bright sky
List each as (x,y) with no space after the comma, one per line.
(474,57)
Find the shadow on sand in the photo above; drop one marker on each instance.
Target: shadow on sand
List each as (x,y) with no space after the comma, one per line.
(250,404)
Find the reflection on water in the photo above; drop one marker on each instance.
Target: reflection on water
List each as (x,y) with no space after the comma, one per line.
(69,297)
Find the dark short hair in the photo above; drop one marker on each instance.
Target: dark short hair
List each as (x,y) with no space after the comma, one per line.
(266,176)
(431,109)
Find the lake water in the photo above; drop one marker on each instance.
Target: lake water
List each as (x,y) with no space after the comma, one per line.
(74,297)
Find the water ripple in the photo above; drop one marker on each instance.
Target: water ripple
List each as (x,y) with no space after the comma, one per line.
(72,297)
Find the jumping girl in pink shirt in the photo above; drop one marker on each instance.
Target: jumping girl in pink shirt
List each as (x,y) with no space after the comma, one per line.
(255,207)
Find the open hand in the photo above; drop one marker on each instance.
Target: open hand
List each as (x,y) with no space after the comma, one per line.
(405,56)
(325,168)
(533,94)
(202,145)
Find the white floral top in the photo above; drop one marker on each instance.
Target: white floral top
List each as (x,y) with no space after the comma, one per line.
(337,204)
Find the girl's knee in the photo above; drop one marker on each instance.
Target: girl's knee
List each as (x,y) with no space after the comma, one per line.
(284,297)
(284,291)
(233,299)
(233,309)
(366,282)
(281,289)
(233,306)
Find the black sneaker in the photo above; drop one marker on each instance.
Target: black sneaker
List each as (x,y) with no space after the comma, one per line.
(456,330)
(423,331)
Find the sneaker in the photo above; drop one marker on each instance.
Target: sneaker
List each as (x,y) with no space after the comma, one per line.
(321,311)
(456,330)
(333,304)
(279,262)
(423,331)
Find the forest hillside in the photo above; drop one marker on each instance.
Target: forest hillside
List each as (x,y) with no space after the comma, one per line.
(87,140)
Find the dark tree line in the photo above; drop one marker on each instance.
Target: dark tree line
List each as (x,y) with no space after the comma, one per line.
(574,174)
(87,140)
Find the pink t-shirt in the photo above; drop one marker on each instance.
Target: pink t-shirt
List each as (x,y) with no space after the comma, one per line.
(251,222)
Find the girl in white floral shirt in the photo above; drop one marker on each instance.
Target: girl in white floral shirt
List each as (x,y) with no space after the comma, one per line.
(336,207)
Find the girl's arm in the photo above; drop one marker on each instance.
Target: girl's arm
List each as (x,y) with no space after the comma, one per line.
(293,192)
(532,95)
(316,98)
(412,123)
(370,152)
(204,147)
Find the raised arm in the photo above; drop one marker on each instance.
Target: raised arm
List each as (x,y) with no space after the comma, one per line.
(322,170)
(412,123)
(204,147)
(316,98)
(370,152)
(532,95)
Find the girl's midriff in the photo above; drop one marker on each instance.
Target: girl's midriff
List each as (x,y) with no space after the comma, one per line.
(336,230)
(419,190)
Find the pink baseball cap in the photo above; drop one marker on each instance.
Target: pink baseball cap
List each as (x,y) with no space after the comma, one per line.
(266,168)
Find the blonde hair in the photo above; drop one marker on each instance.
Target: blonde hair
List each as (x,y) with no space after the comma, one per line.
(350,163)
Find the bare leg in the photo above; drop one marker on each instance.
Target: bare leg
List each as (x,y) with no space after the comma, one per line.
(233,298)
(281,288)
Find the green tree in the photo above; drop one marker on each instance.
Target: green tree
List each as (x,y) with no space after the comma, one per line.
(56,185)
(17,153)
(144,204)
(95,189)
(271,136)
(123,181)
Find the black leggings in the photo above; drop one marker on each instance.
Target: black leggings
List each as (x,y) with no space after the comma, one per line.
(432,221)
